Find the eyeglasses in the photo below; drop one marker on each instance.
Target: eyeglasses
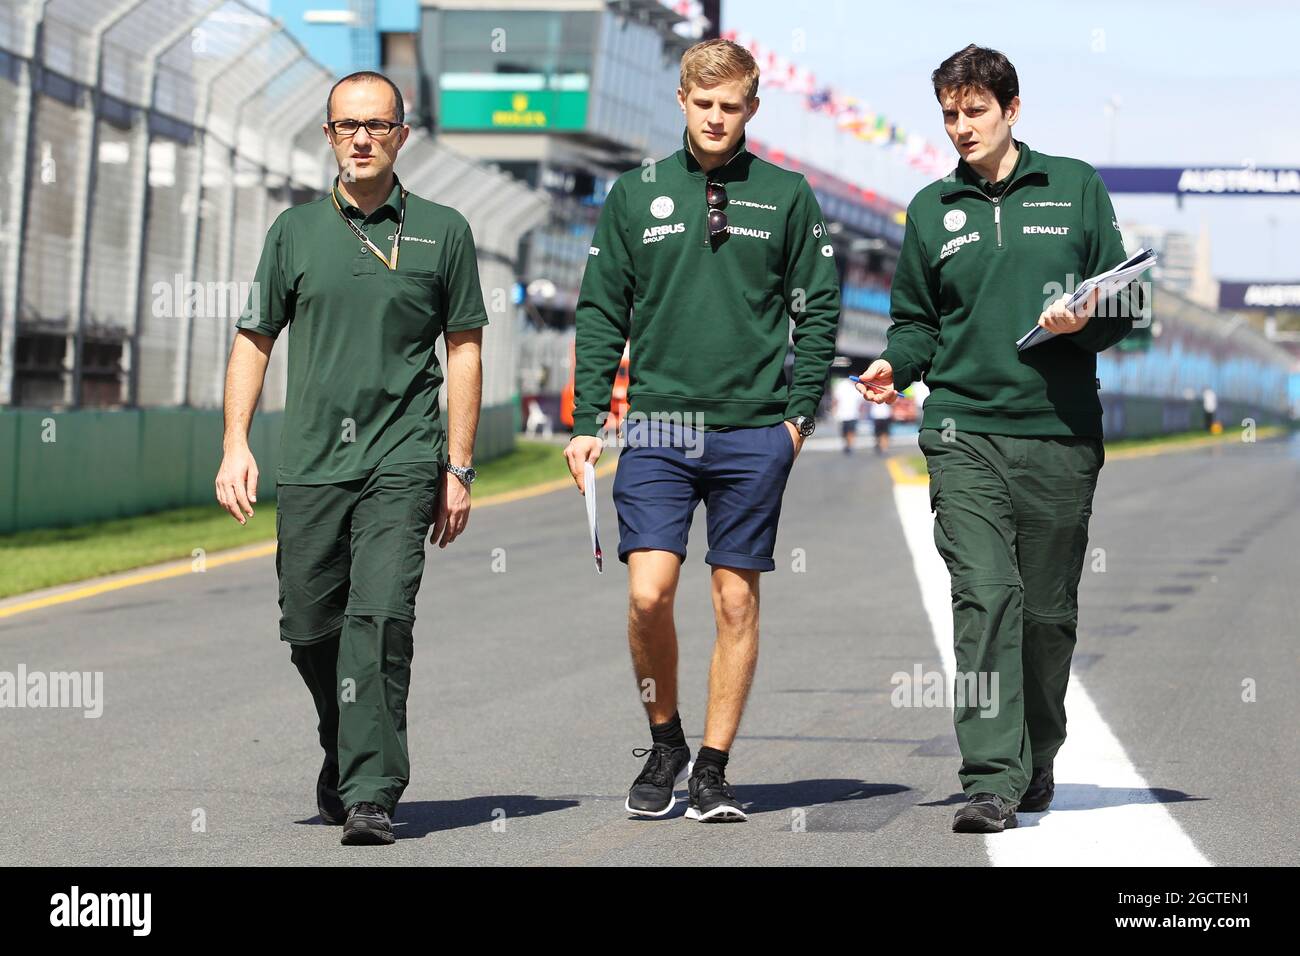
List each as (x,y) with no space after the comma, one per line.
(715,194)
(375,127)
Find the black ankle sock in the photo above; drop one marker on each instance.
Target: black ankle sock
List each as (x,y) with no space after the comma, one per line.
(669,732)
(708,757)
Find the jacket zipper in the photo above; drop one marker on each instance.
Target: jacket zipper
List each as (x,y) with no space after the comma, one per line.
(997,203)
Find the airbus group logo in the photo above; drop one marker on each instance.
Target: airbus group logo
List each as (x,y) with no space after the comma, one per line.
(953,245)
(658,233)
(662,207)
(954,219)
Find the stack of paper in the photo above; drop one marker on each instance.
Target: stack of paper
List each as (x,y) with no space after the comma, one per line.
(1108,282)
(593,525)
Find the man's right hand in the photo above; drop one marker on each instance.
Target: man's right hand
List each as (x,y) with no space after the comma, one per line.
(880,373)
(582,449)
(237,483)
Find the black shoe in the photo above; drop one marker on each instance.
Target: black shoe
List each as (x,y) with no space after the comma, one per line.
(651,794)
(985,813)
(1042,787)
(712,800)
(368,825)
(332,812)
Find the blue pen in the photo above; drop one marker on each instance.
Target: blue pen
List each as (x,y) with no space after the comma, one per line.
(878,388)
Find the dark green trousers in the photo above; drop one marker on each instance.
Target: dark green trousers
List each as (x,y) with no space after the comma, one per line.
(1011,521)
(349,559)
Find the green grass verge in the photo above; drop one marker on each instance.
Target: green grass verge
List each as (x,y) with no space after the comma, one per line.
(531,463)
(1179,438)
(43,558)
(914,464)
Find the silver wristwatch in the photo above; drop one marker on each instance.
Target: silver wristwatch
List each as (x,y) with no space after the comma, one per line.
(466,475)
(805,424)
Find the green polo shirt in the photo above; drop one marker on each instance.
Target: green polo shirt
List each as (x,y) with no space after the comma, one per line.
(363,374)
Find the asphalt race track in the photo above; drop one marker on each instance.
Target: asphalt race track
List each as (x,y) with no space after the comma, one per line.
(524,711)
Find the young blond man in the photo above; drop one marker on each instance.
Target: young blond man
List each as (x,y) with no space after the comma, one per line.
(699,261)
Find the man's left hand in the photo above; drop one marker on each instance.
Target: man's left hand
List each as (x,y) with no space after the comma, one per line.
(1062,321)
(453,511)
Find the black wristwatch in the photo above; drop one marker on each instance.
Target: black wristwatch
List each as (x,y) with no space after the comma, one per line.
(466,475)
(806,424)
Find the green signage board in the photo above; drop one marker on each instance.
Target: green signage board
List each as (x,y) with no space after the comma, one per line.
(512,110)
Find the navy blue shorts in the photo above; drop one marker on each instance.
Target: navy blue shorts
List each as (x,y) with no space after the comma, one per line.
(665,470)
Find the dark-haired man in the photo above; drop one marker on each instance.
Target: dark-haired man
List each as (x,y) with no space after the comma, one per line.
(1013,440)
(364,462)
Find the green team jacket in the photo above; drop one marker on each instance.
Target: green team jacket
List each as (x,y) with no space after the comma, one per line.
(974,274)
(707,322)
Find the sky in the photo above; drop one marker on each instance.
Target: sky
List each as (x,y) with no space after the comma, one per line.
(1197,83)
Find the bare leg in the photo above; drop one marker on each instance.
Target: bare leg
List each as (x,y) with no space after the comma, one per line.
(735,653)
(651,635)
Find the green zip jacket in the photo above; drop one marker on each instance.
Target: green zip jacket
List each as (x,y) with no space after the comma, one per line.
(974,274)
(709,325)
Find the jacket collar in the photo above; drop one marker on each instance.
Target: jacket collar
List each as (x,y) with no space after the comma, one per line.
(687,159)
(1028,163)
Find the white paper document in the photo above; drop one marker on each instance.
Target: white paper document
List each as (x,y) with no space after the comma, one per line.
(1109,283)
(593,521)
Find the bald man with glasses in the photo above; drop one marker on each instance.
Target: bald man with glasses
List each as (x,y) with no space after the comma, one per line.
(366,279)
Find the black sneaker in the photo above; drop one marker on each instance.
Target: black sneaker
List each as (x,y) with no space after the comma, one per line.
(985,813)
(651,794)
(368,825)
(712,800)
(1042,787)
(332,812)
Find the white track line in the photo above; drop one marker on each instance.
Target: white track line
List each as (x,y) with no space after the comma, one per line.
(1104,813)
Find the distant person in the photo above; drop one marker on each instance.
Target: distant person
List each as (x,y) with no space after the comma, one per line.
(1210,407)
(538,422)
(1012,440)
(718,251)
(882,417)
(847,406)
(365,466)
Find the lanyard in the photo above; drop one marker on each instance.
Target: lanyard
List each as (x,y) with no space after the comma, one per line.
(397,236)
